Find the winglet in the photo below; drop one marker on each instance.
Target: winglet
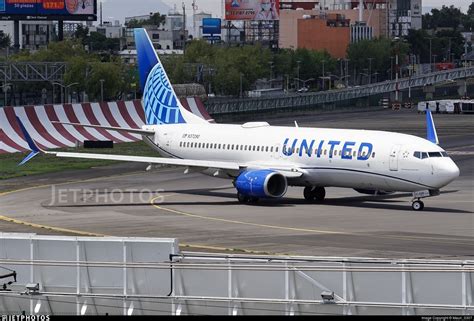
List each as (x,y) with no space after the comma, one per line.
(430,128)
(31,143)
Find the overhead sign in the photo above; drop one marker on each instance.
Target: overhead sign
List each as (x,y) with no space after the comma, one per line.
(211,26)
(48,10)
(252,9)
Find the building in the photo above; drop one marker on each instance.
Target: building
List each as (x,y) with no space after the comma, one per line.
(109,30)
(34,35)
(197,24)
(403,16)
(169,36)
(388,18)
(329,32)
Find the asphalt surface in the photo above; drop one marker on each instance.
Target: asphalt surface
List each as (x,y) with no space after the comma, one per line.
(201,211)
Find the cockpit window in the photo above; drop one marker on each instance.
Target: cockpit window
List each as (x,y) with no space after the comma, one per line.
(423,155)
(435,154)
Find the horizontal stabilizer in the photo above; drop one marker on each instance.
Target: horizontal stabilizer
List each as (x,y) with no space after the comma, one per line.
(31,143)
(119,129)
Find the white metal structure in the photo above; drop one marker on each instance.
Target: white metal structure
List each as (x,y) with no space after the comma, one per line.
(143,276)
(263,160)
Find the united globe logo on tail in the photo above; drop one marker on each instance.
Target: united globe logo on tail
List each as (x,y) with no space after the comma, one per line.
(159,99)
(161,104)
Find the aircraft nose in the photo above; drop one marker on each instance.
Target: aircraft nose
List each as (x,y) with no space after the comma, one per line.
(449,171)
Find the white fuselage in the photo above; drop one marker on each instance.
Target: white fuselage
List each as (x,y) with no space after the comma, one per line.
(362,159)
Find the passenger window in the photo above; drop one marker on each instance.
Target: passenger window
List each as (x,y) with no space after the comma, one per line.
(340,153)
(325,151)
(266,149)
(354,154)
(276,150)
(228,146)
(258,148)
(373,155)
(253,148)
(271,149)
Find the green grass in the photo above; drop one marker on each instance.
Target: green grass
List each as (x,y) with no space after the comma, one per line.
(44,163)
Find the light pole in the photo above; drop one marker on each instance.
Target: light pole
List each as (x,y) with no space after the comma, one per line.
(431,66)
(370,69)
(240,85)
(391,67)
(5,88)
(298,73)
(65,90)
(102,89)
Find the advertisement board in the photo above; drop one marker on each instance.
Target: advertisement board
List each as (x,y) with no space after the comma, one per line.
(252,9)
(211,26)
(48,10)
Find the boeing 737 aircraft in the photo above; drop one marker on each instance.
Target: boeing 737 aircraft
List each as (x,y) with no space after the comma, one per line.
(263,160)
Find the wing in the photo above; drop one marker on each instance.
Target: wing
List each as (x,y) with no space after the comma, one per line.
(153,160)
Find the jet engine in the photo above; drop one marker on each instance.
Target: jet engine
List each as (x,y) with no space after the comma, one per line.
(261,184)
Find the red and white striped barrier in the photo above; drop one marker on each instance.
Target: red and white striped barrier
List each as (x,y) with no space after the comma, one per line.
(37,121)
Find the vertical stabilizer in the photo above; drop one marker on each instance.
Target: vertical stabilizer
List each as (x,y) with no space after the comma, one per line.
(161,104)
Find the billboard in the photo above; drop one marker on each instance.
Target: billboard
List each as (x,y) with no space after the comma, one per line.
(211,26)
(252,9)
(48,10)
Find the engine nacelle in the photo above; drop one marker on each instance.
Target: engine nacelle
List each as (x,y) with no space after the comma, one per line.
(261,184)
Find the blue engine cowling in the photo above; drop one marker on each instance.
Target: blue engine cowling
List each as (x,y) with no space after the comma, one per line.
(261,184)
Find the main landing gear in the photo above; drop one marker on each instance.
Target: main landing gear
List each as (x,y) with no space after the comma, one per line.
(314,193)
(243,199)
(416,203)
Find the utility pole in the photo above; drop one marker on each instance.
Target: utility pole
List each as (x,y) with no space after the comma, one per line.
(195,7)
(184,27)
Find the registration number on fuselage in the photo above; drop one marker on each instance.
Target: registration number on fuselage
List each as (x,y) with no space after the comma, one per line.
(191,136)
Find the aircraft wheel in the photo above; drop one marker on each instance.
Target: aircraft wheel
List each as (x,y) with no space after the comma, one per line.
(417,205)
(319,193)
(308,193)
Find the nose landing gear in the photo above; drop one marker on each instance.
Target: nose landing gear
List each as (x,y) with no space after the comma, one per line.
(416,203)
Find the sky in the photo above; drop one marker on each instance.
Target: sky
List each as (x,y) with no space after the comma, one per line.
(119,9)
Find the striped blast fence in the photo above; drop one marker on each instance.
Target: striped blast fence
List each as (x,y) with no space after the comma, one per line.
(48,135)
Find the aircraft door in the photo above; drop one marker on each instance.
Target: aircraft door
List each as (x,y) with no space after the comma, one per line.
(393,161)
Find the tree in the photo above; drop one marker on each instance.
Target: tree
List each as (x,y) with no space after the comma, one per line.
(81,32)
(111,73)
(155,19)
(447,17)
(5,40)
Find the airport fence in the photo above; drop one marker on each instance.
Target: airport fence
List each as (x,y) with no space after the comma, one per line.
(140,276)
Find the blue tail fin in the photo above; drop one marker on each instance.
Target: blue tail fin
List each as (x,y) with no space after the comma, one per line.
(161,104)
(431,134)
